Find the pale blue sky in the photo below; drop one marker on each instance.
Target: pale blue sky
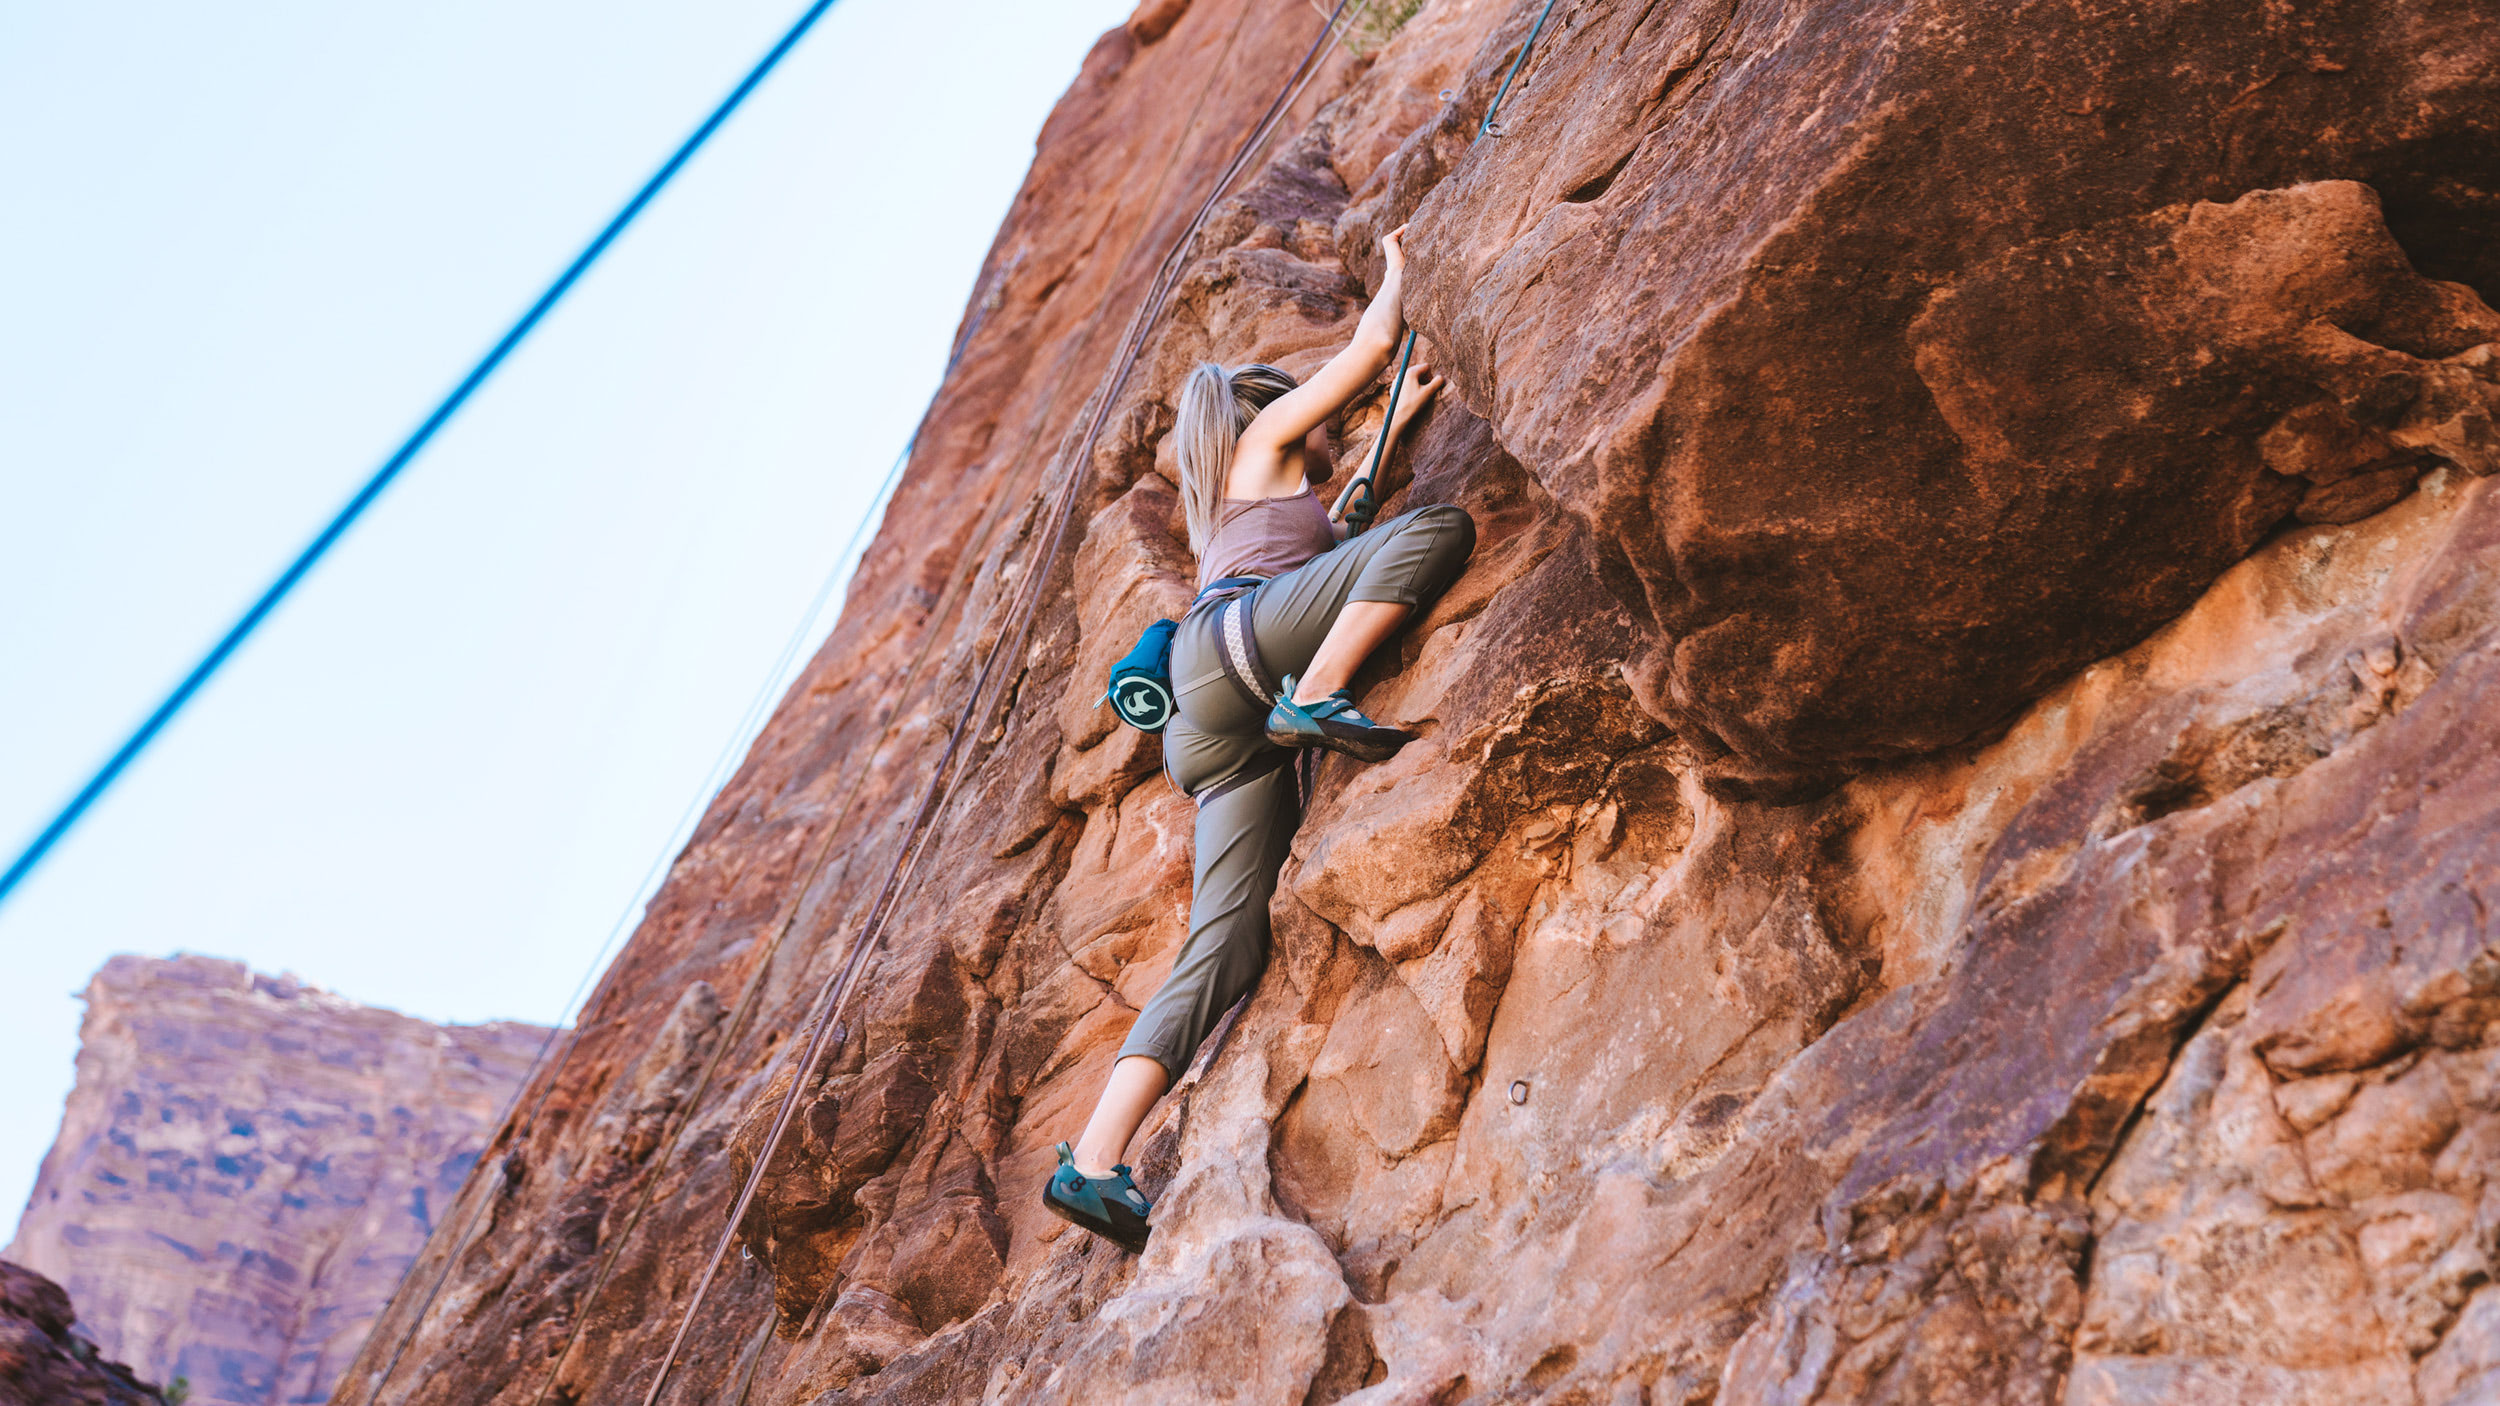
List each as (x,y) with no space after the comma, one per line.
(243,249)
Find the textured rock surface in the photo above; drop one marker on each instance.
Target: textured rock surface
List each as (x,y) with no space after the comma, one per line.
(1922,378)
(246,1167)
(43,1363)
(1950,855)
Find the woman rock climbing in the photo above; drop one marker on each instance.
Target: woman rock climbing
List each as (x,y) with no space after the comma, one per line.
(1281,586)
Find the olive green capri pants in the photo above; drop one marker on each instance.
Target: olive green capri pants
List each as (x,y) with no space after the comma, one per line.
(1245,830)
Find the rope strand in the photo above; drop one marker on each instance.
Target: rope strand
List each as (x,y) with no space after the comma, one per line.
(1487,127)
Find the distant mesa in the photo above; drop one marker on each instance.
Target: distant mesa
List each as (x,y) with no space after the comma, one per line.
(244,1170)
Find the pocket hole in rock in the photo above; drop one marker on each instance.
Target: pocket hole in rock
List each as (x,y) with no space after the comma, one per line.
(1598,184)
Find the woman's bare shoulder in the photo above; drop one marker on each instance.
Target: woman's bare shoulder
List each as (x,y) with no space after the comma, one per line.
(1261,474)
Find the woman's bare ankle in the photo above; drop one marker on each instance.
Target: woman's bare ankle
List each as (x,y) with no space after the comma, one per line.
(1136,1082)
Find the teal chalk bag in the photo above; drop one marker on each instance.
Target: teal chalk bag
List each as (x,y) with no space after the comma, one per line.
(1141,683)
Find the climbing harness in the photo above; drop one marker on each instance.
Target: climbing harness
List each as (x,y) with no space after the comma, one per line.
(1237,649)
(1272,759)
(1140,691)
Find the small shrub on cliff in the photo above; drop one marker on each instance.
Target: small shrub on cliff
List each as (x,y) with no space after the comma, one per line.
(1375,24)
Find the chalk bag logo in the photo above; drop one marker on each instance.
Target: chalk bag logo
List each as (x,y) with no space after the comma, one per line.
(1144,703)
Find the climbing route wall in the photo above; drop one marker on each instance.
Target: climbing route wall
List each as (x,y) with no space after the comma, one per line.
(1953,847)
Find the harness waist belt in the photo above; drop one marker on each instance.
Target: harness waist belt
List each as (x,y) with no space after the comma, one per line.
(1225,589)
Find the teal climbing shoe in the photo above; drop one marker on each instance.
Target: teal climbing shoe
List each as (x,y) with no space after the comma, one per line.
(1111,1207)
(1334,723)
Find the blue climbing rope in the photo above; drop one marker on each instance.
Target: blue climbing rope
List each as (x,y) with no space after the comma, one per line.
(328,537)
(1359,503)
(1486,128)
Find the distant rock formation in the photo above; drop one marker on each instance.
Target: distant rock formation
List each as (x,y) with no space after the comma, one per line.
(246,1167)
(42,1363)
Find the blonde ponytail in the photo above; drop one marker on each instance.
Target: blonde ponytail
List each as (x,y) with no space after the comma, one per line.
(1215,406)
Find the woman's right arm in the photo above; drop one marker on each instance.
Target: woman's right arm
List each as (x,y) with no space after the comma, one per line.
(1349,373)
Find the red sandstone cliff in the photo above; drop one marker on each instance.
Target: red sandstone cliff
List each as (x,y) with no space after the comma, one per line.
(1952,855)
(247,1166)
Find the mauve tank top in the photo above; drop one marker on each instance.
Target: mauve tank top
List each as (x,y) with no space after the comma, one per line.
(1266,536)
